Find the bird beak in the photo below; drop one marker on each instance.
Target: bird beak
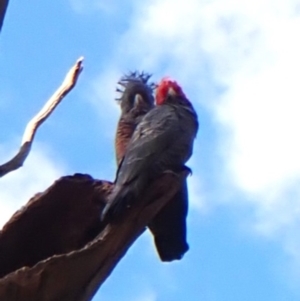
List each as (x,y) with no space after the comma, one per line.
(172,92)
(138,100)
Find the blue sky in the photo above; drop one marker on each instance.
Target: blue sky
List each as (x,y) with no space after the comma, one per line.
(238,61)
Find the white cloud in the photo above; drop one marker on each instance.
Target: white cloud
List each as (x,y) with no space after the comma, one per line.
(259,112)
(17,187)
(104,95)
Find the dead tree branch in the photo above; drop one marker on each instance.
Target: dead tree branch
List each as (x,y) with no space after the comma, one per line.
(32,126)
(83,252)
(3,7)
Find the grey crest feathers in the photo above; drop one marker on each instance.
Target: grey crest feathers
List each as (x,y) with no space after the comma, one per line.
(135,101)
(134,83)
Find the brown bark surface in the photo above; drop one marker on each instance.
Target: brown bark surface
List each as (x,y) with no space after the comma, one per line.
(56,248)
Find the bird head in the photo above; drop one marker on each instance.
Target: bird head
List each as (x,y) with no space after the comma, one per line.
(168,87)
(136,91)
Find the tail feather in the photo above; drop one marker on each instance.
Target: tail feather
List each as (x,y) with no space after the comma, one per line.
(169,227)
(170,248)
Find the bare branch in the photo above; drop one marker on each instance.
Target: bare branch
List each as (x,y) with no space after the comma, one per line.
(3,7)
(32,126)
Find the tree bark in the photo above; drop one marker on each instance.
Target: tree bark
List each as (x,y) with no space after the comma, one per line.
(57,249)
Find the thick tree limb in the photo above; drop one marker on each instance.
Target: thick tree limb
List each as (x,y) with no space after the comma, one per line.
(32,126)
(63,218)
(76,275)
(3,7)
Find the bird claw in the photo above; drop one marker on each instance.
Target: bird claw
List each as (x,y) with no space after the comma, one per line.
(114,210)
(187,169)
(177,172)
(169,171)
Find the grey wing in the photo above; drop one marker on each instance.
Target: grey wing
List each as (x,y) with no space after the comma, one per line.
(156,132)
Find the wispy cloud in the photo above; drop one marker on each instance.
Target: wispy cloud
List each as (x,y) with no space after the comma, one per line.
(104,91)
(259,112)
(38,173)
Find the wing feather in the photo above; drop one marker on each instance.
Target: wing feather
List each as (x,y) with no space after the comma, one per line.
(155,133)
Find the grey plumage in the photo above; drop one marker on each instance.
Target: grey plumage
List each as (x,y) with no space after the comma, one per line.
(162,140)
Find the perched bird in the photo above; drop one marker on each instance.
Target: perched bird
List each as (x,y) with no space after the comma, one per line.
(163,140)
(135,101)
(169,225)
